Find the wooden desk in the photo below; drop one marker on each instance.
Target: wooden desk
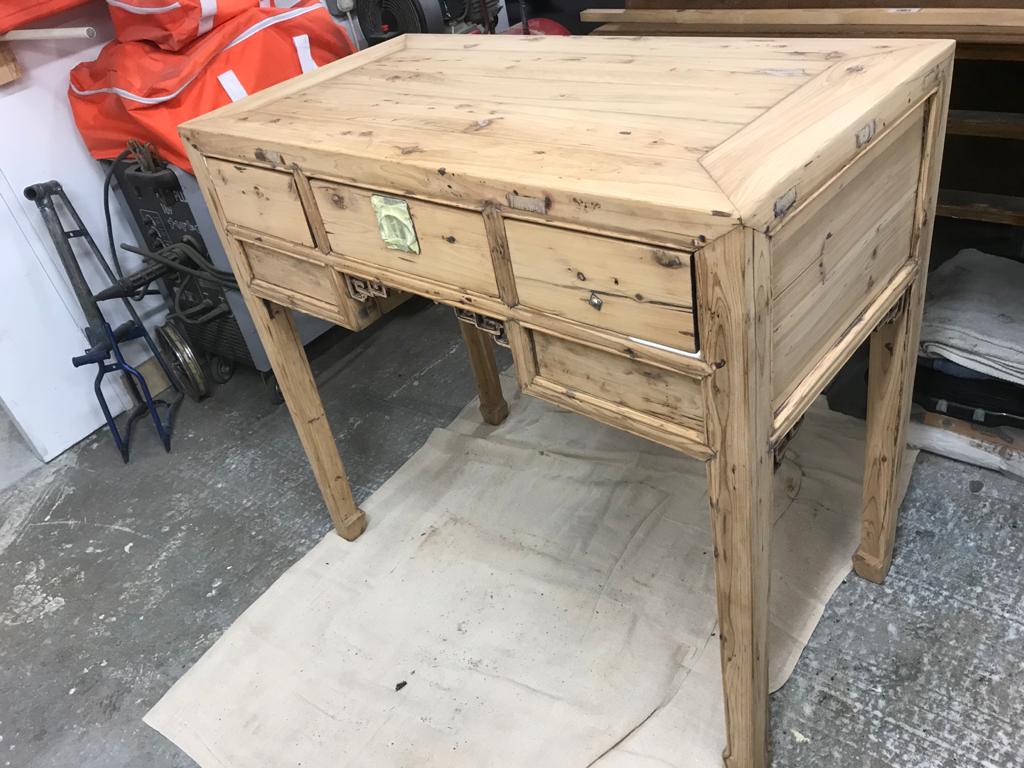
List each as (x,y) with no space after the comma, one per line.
(683,238)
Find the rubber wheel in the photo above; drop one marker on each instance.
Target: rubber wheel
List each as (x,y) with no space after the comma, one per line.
(183,360)
(273,388)
(221,369)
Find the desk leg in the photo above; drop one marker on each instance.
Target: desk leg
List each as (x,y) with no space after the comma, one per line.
(291,367)
(891,368)
(733,294)
(480,346)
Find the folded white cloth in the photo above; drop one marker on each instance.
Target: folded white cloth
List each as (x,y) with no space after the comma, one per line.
(537,594)
(974,314)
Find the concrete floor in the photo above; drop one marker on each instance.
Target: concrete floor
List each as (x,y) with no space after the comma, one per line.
(115,579)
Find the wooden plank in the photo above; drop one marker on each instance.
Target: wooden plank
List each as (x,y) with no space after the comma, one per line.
(501,261)
(815,4)
(480,347)
(1000,125)
(291,273)
(733,288)
(10,70)
(623,287)
(262,200)
(619,381)
(981,206)
(893,363)
(789,411)
(973,25)
(836,254)
(453,244)
(772,165)
(281,341)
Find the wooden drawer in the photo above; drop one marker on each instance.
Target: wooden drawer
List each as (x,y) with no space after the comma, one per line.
(261,200)
(648,400)
(629,288)
(307,285)
(452,243)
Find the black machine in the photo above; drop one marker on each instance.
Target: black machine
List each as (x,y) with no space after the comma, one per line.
(208,330)
(201,337)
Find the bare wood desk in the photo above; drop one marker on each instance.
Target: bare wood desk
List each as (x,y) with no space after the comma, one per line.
(683,238)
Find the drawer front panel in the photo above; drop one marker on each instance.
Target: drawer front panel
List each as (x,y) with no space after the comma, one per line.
(260,200)
(656,403)
(311,287)
(637,290)
(291,273)
(452,243)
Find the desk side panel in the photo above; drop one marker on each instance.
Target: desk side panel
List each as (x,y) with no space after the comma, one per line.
(840,253)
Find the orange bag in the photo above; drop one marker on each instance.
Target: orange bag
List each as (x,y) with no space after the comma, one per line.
(17,13)
(135,90)
(171,24)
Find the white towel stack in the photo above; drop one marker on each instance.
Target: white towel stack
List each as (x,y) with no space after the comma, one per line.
(974,314)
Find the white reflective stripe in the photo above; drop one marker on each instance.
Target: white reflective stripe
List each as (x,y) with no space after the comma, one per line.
(258,27)
(285,3)
(264,3)
(207,10)
(232,85)
(305,55)
(142,10)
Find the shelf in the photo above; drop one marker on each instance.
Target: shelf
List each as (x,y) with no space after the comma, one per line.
(1000,125)
(981,206)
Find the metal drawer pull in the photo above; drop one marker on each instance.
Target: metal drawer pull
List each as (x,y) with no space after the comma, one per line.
(489,325)
(364,290)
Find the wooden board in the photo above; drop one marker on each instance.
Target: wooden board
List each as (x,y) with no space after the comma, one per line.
(625,287)
(841,250)
(969,25)
(452,243)
(10,70)
(617,144)
(261,200)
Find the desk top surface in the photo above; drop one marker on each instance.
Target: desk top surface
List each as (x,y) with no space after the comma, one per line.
(687,136)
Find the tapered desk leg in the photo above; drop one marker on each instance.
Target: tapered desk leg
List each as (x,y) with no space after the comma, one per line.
(291,367)
(893,360)
(733,294)
(892,364)
(480,346)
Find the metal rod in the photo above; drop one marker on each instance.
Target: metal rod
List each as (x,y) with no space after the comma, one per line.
(56,33)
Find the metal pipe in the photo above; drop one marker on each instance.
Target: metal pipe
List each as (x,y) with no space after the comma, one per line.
(42,196)
(56,33)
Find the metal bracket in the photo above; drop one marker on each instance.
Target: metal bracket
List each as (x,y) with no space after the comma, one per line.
(489,325)
(780,447)
(361,289)
(894,312)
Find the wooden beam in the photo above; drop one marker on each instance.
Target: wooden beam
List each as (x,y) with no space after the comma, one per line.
(10,70)
(733,276)
(969,25)
(997,125)
(981,206)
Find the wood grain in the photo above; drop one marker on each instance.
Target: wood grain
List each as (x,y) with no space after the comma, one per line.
(733,289)
(262,200)
(480,347)
(291,368)
(969,25)
(892,365)
(633,289)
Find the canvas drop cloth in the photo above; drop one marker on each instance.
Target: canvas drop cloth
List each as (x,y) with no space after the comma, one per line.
(543,589)
(974,315)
